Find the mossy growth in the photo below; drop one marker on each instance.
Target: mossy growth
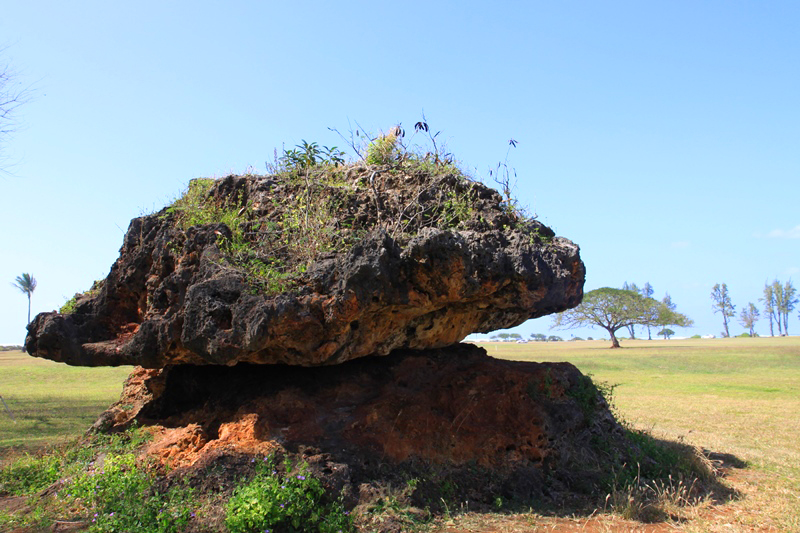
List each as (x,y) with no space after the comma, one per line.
(317,205)
(70,305)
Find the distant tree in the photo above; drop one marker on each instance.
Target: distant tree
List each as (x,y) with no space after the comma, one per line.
(647,291)
(554,338)
(666,332)
(785,301)
(669,307)
(667,315)
(769,307)
(614,309)
(631,287)
(27,284)
(538,337)
(504,336)
(748,317)
(723,305)
(515,336)
(777,298)
(667,301)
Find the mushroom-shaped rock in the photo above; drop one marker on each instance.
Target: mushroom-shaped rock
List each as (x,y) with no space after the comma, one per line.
(315,268)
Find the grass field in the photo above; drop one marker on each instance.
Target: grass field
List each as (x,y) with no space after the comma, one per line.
(738,396)
(51,401)
(734,396)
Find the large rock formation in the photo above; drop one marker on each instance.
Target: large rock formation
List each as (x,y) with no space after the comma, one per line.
(508,429)
(315,271)
(319,313)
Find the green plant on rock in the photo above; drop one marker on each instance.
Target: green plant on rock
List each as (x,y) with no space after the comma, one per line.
(383,150)
(323,209)
(307,155)
(69,305)
(588,394)
(457,208)
(193,208)
(294,502)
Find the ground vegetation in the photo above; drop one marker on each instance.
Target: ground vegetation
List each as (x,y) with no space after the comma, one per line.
(731,399)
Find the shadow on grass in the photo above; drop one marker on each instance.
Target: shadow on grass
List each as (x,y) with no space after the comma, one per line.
(697,478)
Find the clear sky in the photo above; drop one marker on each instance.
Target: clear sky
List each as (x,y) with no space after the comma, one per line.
(661,137)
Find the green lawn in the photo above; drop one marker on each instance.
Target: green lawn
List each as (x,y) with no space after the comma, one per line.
(51,401)
(741,395)
(738,396)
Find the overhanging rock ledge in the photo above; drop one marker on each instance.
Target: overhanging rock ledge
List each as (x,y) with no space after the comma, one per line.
(173,296)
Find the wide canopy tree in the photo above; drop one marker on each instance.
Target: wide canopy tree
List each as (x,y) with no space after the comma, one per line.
(614,309)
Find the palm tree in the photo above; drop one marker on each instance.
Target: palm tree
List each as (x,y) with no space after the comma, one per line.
(27,284)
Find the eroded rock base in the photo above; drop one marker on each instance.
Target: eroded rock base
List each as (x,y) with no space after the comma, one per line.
(455,417)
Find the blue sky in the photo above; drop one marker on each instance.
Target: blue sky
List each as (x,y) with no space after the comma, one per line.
(660,137)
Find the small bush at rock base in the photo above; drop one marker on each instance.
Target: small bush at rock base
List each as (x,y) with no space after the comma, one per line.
(121,497)
(293,502)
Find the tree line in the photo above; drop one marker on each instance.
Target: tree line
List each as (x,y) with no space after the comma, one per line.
(778,300)
(506,337)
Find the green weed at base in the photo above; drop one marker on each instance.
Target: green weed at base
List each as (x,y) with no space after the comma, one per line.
(589,393)
(390,507)
(121,497)
(38,518)
(294,502)
(29,475)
